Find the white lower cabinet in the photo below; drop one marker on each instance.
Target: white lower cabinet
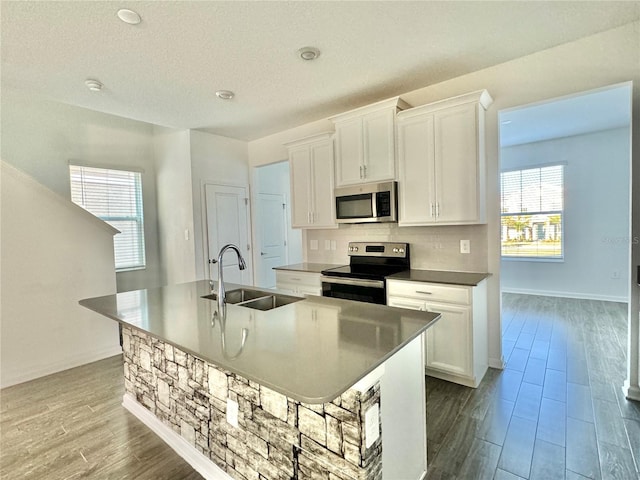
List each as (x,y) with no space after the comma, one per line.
(301,283)
(456,346)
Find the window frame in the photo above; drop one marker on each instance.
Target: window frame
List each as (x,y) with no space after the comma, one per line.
(537,258)
(141,256)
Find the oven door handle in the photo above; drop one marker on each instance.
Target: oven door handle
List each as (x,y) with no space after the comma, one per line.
(354,282)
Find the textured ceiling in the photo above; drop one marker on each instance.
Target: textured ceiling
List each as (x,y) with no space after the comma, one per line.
(165,70)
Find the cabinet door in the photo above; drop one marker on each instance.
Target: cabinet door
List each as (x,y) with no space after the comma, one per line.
(323,205)
(349,152)
(449,347)
(416,189)
(456,164)
(379,147)
(300,168)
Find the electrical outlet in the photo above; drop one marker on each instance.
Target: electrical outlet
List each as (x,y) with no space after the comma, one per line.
(327,244)
(615,274)
(313,244)
(186,234)
(371,425)
(465,246)
(232,412)
(333,245)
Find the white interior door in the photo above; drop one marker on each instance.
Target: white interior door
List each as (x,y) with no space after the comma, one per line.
(272,228)
(227,222)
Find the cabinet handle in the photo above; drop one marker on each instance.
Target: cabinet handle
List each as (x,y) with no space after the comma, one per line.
(364,169)
(423,292)
(437,209)
(308,217)
(361,171)
(433,211)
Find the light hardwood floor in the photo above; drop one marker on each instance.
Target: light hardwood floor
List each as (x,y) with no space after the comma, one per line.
(72,425)
(555,412)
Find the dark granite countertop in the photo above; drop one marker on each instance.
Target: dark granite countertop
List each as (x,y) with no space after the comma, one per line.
(312,350)
(308,267)
(469,279)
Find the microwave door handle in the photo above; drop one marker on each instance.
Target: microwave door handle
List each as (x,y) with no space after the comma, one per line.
(374,205)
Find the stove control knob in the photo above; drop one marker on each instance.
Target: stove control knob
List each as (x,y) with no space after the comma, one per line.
(401,250)
(395,250)
(355,249)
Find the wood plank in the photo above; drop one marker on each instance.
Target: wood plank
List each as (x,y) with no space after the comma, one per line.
(552,422)
(582,448)
(548,461)
(517,451)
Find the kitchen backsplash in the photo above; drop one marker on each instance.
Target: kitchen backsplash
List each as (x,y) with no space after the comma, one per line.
(432,248)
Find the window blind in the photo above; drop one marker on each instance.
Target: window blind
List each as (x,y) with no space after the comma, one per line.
(532,205)
(114,196)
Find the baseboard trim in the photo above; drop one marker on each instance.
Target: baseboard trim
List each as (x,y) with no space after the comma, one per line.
(497,363)
(631,392)
(31,373)
(581,296)
(199,462)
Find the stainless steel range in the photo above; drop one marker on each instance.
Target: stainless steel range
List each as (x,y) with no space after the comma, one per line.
(364,278)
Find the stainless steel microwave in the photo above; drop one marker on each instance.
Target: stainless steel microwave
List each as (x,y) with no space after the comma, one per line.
(371,202)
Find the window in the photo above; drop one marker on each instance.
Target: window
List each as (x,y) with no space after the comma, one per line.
(114,196)
(532,212)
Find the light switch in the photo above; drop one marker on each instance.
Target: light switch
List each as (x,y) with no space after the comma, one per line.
(186,234)
(232,412)
(465,246)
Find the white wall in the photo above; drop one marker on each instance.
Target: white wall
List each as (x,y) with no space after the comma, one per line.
(46,270)
(41,137)
(602,59)
(596,218)
(219,160)
(173,169)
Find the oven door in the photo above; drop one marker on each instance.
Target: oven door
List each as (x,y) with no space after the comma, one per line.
(370,291)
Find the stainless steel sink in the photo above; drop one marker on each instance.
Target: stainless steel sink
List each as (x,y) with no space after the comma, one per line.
(256,299)
(271,302)
(240,295)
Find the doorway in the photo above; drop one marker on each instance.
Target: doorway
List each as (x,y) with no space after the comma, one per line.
(227,214)
(276,242)
(565,166)
(565,196)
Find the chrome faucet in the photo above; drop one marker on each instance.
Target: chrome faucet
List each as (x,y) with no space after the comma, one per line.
(222,296)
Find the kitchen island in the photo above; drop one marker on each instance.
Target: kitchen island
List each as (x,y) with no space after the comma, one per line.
(316,388)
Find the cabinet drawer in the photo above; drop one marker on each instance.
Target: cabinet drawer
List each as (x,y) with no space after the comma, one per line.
(306,279)
(432,292)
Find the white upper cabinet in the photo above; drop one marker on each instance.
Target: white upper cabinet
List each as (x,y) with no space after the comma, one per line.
(365,143)
(311,163)
(441,161)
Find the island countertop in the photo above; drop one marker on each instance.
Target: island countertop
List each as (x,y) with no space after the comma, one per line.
(312,350)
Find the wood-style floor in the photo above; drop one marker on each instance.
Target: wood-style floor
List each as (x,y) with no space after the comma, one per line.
(71,425)
(555,412)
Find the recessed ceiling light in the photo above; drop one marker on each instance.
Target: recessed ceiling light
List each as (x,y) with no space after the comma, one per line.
(309,53)
(225,94)
(129,16)
(93,85)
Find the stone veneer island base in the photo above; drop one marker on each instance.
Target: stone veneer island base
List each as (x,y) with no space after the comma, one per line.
(320,388)
(277,438)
